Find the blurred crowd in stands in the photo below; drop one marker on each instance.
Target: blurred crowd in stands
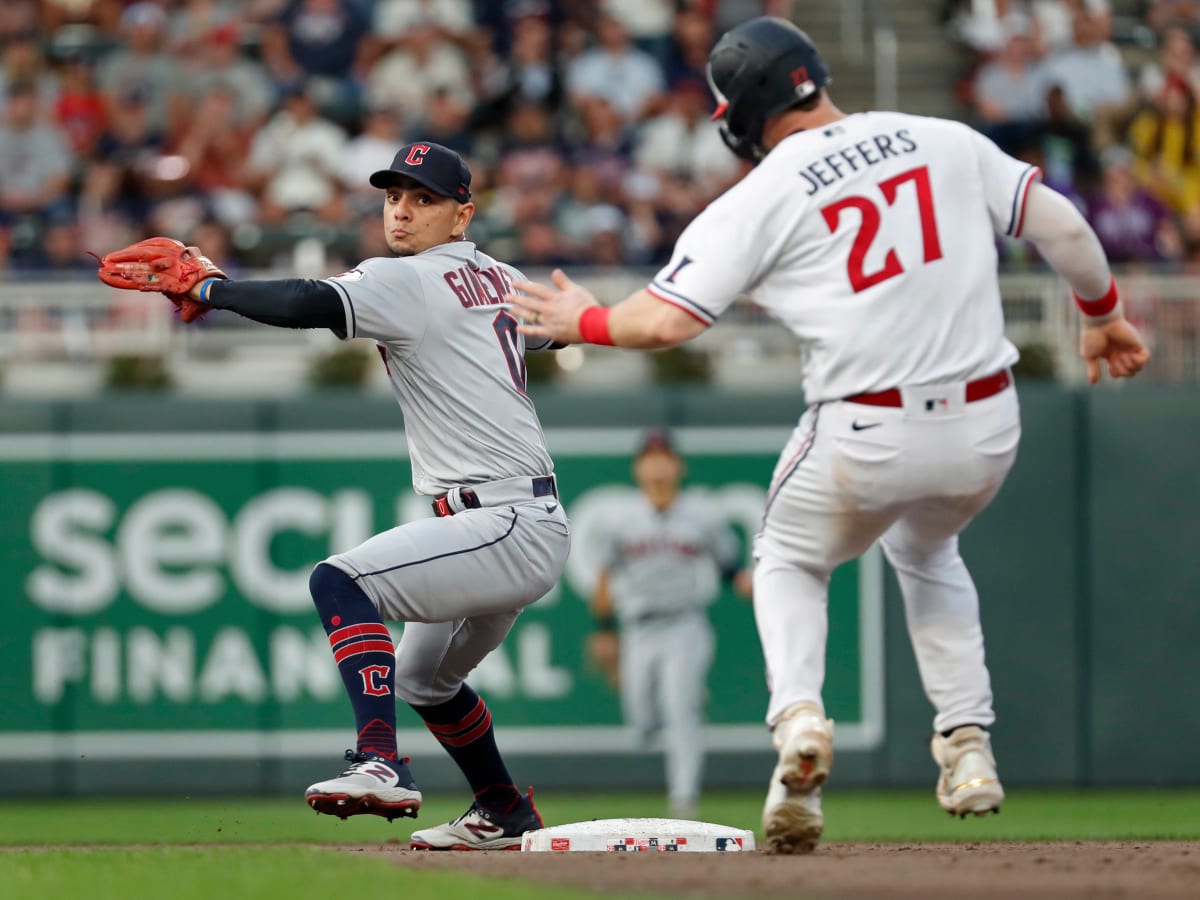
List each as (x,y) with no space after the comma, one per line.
(246,127)
(243,126)
(1111,118)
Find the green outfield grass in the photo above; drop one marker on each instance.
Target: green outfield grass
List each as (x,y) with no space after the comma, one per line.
(132,849)
(851,815)
(239,873)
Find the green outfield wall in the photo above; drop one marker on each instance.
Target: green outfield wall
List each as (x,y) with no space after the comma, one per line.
(160,637)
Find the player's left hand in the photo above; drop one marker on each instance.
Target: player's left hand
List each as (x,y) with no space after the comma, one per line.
(1119,344)
(163,265)
(551,312)
(743,583)
(604,651)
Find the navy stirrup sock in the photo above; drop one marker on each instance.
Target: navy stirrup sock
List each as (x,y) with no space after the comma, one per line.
(364,653)
(463,725)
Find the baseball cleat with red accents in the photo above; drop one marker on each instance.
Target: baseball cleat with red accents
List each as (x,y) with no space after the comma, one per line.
(792,818)
(372,785)
(482,829)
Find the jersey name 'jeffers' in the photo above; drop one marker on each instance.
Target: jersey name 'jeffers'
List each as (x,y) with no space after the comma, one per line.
(832,167)
(473,290)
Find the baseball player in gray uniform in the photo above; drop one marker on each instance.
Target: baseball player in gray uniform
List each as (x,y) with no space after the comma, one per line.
(871,237)
(500,538)
(662,550)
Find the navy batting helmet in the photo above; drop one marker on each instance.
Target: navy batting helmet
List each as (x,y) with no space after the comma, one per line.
(757,70)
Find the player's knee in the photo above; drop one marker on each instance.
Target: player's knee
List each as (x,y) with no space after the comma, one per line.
(324,580)
(416,690)
(925,556)
(330,585)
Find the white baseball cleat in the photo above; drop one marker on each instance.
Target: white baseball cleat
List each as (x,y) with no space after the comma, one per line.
(371,785)
(792,817)
(482,829)
(968,782)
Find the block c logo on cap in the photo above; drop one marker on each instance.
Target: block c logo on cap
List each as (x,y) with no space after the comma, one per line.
(416,156)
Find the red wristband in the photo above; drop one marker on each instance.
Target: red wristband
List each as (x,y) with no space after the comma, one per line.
(593,325)
(1101,306)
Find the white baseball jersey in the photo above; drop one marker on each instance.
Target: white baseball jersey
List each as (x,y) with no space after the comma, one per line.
(455,359)
(664,562)
(872,239)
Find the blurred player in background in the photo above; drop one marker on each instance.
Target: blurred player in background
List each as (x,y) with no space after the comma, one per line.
(872,238)
(660,551)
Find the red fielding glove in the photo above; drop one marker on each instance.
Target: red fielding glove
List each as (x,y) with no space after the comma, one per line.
(163,265)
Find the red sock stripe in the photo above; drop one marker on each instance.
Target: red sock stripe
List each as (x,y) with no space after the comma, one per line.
(462,724)
(468,737)
(377,736)
(363,646)
(469,728)
(361,630)
(499,792)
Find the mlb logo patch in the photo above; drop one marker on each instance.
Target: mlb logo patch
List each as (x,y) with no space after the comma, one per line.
(729,844)
(560,843)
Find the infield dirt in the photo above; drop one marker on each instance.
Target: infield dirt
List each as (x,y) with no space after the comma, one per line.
(1145,870)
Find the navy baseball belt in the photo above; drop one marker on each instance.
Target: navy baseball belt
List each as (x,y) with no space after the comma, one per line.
(495,493)
(979,389)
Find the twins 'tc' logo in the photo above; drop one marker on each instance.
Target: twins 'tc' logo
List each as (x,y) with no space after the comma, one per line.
(372,677)
(416,155)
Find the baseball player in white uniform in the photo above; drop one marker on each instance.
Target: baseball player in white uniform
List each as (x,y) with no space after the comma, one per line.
(500,538)
(871,237)
(662,550)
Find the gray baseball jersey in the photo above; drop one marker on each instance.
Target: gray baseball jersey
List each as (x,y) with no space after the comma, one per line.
(455,359)
(457,367)
(663,562)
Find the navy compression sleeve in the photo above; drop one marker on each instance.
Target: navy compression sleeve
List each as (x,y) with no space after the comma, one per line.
(286,302)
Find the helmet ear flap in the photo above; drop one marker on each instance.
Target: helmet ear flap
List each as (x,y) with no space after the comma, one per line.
(741,146)
(724,71)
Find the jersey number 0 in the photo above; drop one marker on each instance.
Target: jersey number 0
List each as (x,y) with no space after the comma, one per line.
(860,280)
(506,331)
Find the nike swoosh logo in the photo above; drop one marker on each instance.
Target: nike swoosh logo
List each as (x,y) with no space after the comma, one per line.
(551,507)
(858,427)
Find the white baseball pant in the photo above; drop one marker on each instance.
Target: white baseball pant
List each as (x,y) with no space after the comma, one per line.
(913,475)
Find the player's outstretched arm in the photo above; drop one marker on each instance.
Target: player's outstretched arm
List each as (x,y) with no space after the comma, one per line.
(568,313)
(283,302)
(1068,244)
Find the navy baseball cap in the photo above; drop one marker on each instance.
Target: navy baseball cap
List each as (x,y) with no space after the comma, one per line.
(436,167)
(656,440)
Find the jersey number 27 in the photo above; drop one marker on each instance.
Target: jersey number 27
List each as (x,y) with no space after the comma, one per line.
(868,230)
